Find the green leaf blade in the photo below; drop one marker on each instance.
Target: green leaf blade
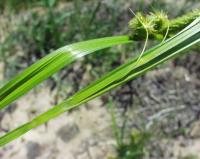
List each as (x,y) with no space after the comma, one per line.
(51,64)
(155,56)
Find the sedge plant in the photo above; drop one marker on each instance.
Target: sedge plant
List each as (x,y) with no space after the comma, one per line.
(179,40)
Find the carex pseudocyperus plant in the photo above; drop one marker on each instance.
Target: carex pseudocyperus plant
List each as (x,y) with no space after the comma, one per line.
(179,34)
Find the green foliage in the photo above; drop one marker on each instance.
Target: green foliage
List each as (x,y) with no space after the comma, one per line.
(39,33)
(131,147)
(52,63)
(126,72)
(15,5)
(135,149)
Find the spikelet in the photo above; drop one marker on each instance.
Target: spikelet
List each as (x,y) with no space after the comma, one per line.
(158,24)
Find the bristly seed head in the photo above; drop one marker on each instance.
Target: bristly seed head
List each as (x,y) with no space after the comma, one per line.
(155,23)
(158,25)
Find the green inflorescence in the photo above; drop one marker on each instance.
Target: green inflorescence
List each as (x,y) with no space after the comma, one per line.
(158,24)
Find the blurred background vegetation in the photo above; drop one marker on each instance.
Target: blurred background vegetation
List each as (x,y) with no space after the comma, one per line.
(30,29)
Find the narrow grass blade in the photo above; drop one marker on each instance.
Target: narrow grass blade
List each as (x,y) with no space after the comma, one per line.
(50,64)
(155,56)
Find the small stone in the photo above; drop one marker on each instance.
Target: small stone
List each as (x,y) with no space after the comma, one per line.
(195,130)
(33,150)
(68,132)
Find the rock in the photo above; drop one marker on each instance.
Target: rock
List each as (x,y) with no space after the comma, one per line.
(33,150)
(68,132)
(195,130)
(97,152)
